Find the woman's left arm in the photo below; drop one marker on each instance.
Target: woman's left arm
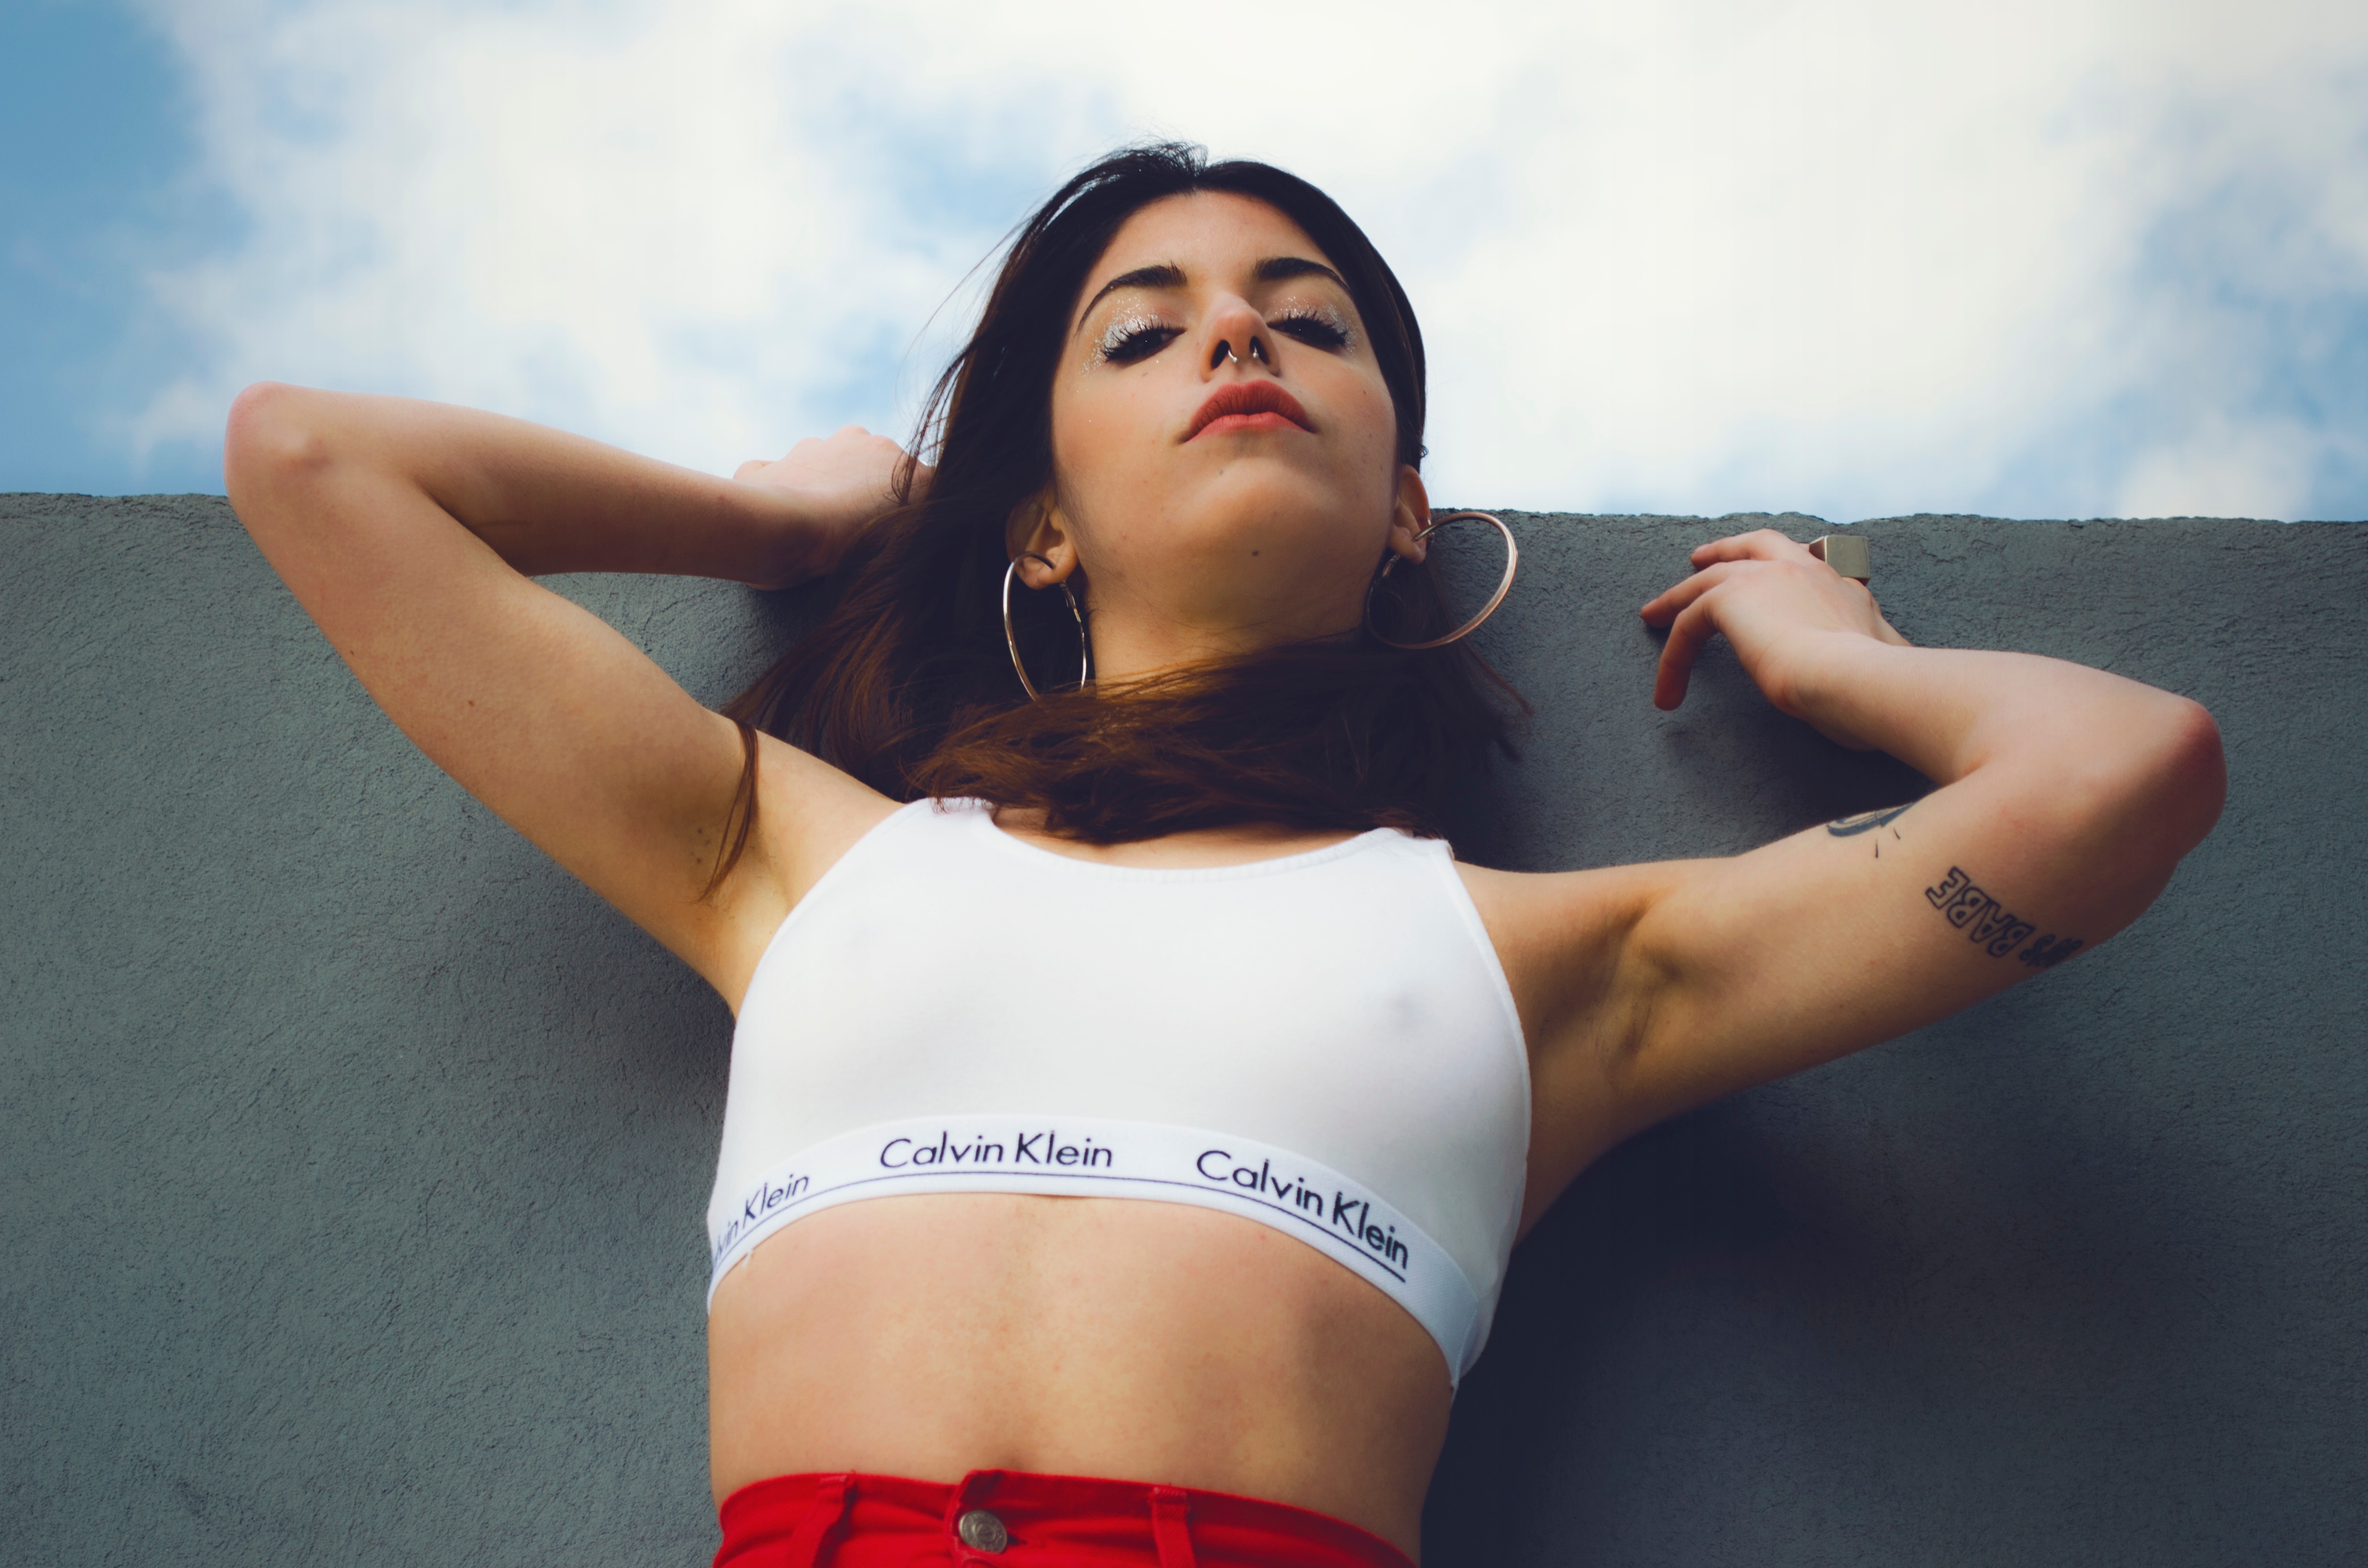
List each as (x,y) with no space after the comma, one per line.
(2066,797)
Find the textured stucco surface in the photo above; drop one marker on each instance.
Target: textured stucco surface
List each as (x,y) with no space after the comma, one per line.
(352,1158)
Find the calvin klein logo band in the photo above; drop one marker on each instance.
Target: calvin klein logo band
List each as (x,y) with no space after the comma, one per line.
(1095,1158)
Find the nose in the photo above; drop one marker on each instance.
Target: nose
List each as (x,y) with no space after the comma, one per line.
(1237,332)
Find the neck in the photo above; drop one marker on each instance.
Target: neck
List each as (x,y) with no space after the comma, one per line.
(1133,642)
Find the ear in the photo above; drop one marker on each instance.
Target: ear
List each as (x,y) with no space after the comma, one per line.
(1410,515)
(1038,528)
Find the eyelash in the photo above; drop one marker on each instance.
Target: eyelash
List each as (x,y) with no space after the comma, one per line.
(1317,329)
(1131,339)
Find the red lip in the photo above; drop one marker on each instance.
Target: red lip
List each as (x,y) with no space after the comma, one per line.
(1249,398)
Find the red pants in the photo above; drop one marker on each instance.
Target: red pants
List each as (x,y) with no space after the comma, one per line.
(1002,1518)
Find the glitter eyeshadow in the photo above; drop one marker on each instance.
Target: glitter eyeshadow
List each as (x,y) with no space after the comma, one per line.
(1125,324)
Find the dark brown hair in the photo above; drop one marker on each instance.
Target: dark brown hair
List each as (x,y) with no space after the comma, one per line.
(908,684)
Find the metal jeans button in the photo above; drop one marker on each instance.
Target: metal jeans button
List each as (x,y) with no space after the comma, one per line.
(982,1531)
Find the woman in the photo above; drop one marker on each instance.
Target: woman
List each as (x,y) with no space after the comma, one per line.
(1127,1084)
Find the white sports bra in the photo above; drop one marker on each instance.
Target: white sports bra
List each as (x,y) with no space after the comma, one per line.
(1324,1043)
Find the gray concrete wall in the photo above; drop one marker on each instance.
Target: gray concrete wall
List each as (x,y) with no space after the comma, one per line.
(352,1159)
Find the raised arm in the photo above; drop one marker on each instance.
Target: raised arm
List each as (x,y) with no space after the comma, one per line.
(410,531)
(2066,797)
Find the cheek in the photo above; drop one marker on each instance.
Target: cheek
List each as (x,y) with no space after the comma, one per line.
(1373,446)
(1098,436)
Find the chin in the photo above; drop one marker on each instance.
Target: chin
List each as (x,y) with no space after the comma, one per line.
(1269,507)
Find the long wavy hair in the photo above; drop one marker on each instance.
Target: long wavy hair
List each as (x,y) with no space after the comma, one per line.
(907,682)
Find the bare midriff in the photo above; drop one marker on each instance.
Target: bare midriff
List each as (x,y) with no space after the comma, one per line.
(932,1335)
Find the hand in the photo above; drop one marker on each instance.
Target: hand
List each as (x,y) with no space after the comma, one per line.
(1777,604)
(842,484)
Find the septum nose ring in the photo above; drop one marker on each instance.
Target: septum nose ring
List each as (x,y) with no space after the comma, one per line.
(1257,351)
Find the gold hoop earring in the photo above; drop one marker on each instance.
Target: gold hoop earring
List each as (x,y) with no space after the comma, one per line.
(1504,586)
(1011,641)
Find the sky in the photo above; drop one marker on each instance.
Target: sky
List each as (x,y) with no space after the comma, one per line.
(1849,258)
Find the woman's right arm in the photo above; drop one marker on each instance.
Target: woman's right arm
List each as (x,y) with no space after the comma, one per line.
(410,532)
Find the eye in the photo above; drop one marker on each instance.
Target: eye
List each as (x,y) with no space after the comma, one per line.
(1132,337)
(1316,328)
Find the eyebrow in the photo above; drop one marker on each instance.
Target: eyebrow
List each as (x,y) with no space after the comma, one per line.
(1167,274)
(1275,268)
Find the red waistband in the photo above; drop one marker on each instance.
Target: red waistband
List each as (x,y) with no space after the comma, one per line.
(1004,1518)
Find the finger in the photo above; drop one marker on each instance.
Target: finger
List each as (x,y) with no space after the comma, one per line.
(753,467)
(1693,627)
(1759,544)
(1676,598)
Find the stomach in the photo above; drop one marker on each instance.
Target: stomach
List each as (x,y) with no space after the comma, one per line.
(928,1335)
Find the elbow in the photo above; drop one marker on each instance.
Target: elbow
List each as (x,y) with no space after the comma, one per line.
(2158,792)
(2190,776)
(275,440)
(2126,793)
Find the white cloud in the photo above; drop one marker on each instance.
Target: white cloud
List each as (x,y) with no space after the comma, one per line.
(1850,256)
(2221,470)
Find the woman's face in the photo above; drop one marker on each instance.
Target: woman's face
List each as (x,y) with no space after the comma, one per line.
(1225,449)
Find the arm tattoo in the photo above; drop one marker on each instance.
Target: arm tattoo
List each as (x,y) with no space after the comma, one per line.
(1987,924)
(2051,950)
(1867,822)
